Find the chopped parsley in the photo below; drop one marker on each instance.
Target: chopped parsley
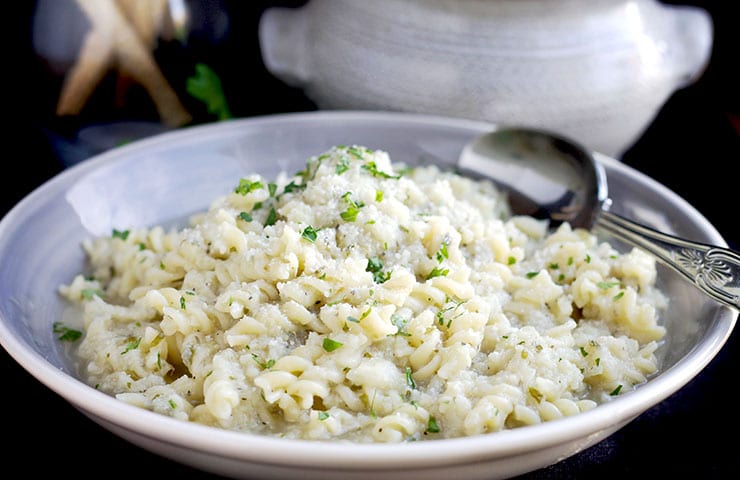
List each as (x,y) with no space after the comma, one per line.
(271,217)
(532,274)
(309,233)
(511,260)
(272,188)
(353,208)
(331,345)
(375,266)
(410,379)
(356,152)
(616,391)
(438,272)
(262,364)
(132,345)
(323,416)
(122,234)
(342,165)
(89,293)
(442,253)
(182,303)
(618,296)
(441,313)
(432,425)
(246,186)
(372,168)
(607,285)
(66,334)
(293,187)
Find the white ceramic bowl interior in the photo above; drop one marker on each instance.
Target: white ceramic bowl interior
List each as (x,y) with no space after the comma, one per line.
(165,178)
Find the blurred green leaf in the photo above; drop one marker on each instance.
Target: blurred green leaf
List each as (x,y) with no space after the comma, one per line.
(205,86)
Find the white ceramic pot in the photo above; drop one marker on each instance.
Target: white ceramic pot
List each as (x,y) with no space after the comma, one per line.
(596,70)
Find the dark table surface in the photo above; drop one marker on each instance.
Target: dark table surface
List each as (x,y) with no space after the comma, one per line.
(692,147)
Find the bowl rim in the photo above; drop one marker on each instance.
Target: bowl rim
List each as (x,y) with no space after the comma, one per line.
(412,455)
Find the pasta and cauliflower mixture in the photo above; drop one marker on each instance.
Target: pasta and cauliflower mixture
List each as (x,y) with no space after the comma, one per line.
(361,301)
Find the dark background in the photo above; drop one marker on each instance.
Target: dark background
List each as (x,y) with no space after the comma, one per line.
(692,147)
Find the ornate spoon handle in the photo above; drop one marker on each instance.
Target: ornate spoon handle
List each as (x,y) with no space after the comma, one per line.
(714,270)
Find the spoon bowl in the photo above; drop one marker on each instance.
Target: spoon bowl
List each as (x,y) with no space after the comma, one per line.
(549,176)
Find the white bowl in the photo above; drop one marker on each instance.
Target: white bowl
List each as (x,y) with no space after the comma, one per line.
(164,178)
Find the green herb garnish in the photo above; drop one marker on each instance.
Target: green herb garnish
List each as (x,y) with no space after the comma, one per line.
(293,187)
(342,165)
(246,186)
(205,85)
(331,345)
(410,379)
(438,272)
(372,168)
(132,345)
(375,266)
(263,365)
(89,293)
(432,425)
(122,234)
(442,253)
(350,215)
(271,217)
(309,233)
(356,152)
(66,334)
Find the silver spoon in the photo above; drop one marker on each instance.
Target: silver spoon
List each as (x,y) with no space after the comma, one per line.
(551,177)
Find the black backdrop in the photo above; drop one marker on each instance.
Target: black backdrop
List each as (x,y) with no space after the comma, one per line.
(692,147)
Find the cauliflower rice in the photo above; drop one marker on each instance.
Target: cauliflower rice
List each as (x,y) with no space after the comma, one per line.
(360,301)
